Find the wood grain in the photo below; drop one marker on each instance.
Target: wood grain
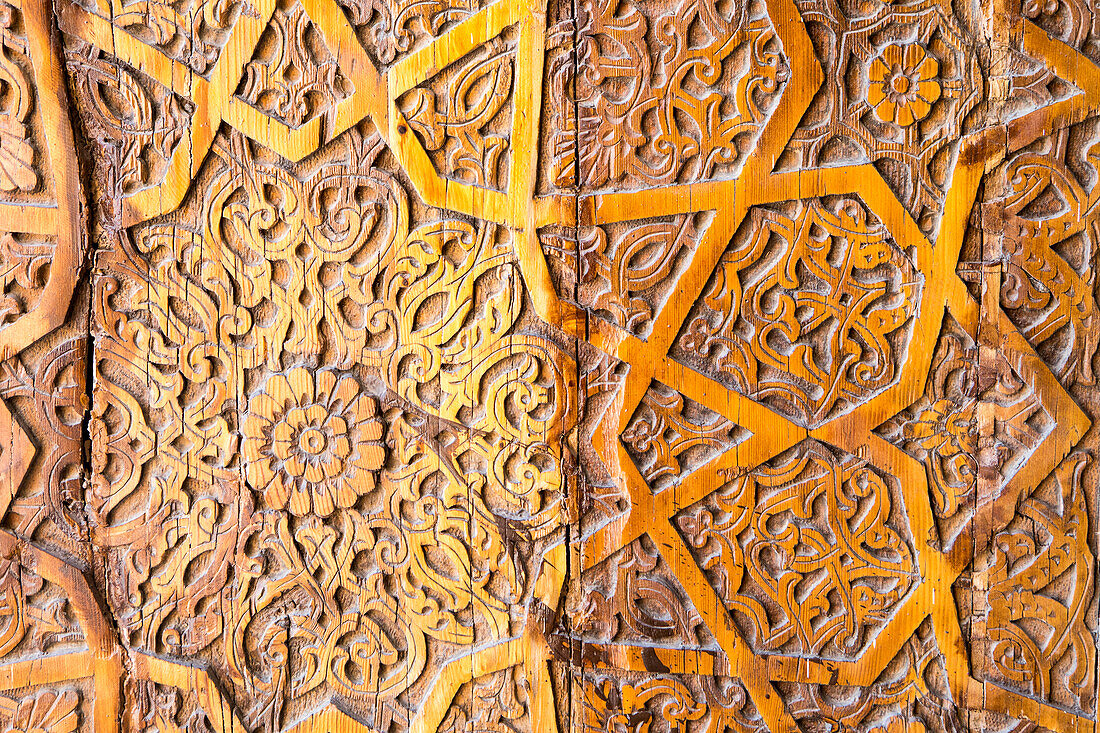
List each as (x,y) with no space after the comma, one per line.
(633,366)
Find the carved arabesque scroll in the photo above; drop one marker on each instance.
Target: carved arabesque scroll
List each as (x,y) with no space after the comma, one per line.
(611,365)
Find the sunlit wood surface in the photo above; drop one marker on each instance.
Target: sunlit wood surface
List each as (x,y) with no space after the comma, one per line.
(549,366)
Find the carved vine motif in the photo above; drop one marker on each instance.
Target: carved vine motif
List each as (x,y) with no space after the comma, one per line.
(669,94)
(612,704)
(911,696)
(156,708)
(634,597)
(1037,634)
(137,123)
(496,702)
(463,116)
(415,453)
(1043,213)
(623,272)
(18,157)
(35,617)
(942,428)
(192,32)
(649,703)
(823,326)
(670,436)
(390,29)
(900,79)
(294,76)
(797,580)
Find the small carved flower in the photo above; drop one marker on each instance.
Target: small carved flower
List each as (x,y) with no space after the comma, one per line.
(904,84)
(697,336)
(16,156)
(312,442)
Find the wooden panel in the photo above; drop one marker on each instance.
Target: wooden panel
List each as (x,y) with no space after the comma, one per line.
(499,366)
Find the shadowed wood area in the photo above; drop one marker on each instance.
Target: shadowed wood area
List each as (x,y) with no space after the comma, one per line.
(549,366)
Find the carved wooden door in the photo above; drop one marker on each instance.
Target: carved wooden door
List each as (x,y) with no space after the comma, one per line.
(513,366)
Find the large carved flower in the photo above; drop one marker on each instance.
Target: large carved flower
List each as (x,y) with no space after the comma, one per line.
(904,84)
(312,442)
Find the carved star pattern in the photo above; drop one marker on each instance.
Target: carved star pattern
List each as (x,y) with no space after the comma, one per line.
(375,94)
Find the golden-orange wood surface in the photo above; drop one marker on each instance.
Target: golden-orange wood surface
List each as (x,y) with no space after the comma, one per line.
(549,366)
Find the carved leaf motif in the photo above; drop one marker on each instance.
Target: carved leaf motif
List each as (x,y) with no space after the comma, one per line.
(634,597)
(24,269)
(17,153)
(637,706)
(294,76)
(463,116)
(1041,571)
(670,436)
(496,703)
(623,272)
(192,32)
(34,616)
(157,708)
(1047,214)
(47,711)
(824,326)
(137,123)
(651,703)
(391,29)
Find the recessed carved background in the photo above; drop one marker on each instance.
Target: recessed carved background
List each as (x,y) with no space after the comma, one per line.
(613,365)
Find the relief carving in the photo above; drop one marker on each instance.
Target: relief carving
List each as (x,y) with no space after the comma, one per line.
(690,366)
